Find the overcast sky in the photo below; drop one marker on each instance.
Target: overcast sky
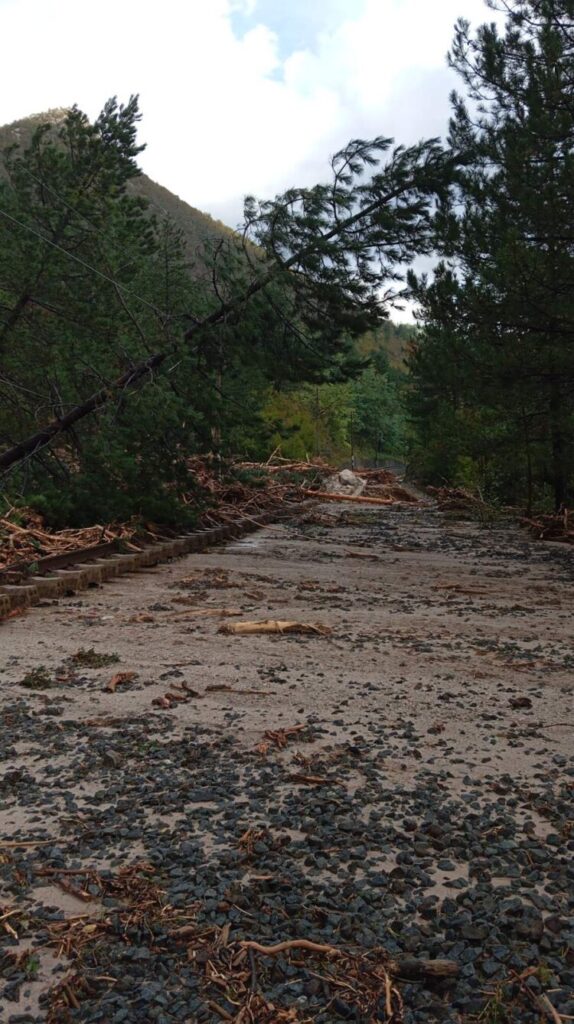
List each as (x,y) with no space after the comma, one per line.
(238,96)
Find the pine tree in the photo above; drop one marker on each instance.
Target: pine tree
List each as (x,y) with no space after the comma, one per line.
(89,285)
(501,319)
(308,276)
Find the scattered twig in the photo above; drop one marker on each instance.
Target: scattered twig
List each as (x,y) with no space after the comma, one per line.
(281,947)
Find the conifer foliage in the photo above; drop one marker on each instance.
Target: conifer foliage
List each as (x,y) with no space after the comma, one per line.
(494,373)
(96,303)
(88,285)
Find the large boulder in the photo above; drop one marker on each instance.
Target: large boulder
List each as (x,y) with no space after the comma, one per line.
(346,482)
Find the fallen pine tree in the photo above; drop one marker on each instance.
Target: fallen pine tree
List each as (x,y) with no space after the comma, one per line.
(361,498)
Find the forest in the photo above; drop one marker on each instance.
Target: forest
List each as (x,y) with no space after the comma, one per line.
(126,352)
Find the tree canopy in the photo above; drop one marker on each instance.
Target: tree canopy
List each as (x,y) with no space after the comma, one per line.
(96,302)
(494,374)
(117,363)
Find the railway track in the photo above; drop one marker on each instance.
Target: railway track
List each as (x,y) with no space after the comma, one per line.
(59,575)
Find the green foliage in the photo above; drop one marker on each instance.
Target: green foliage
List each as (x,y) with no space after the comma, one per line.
(363,418)
(68,327)
(494,366)
(89,658)
(280,340)
(37,679)
(32,967)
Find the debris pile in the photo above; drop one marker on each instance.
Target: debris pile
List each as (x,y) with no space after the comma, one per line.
(381,483)
(277,464)
(457,499)
(25,539)
(223,494)
(246,489)
(371,486)
(234,976)
(558,527)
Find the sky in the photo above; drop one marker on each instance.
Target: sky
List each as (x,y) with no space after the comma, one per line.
(238,96)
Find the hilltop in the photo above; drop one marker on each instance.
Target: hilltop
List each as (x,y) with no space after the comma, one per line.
(195,225)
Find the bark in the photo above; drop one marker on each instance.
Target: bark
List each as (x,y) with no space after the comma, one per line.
(559,474)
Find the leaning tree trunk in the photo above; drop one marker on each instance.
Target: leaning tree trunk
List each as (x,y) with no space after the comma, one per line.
(558,444)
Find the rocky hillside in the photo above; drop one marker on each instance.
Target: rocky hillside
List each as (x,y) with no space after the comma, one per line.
(195,225)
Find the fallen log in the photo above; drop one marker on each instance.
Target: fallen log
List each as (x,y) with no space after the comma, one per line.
(275,626)
(327,496)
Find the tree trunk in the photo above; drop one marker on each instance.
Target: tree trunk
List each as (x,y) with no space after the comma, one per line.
(558,443)
(38,441)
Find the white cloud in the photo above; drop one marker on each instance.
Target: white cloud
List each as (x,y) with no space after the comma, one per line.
(223,114)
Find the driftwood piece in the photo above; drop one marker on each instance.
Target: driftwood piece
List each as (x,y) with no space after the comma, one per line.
(275,626)
(281,947)
(278,738)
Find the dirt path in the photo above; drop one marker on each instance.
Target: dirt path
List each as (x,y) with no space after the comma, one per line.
(442,624)
(450,660)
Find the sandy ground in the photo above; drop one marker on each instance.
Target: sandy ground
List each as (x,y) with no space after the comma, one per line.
(437,629)
(440,624)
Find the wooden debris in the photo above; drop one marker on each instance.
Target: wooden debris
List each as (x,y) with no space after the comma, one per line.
(360,498)
(282,626)
(120,677)
(409,968)
(17,843)
(163,702)
(457,499)
(369,556)
(223,688)
(310,780)
(414,969)
(460,588)
(15,613)
(203,613)
(520,702)
(278,738)
(231,498)
(220,498)
(281,947)
(558,527)
(179,693)
(23,538)
(277,464)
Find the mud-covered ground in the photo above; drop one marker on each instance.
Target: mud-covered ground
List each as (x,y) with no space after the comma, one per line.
(424,809)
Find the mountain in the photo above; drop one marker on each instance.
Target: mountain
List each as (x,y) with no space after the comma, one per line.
(195,225)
